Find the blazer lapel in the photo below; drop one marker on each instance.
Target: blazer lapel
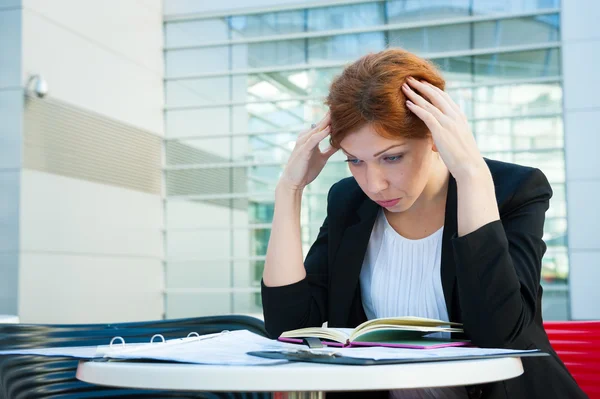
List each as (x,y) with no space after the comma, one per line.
(348,263)
(448,267)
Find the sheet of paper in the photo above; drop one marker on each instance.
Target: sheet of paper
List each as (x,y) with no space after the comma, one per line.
(78,352)
(227,348)
(380,353)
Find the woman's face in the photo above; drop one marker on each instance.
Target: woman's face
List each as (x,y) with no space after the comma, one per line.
(391,172)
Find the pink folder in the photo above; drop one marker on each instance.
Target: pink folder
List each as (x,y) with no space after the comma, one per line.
(385,344)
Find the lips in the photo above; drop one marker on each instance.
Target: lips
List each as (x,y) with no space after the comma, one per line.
(389,203)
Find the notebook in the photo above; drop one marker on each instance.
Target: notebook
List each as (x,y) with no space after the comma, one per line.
(395,332)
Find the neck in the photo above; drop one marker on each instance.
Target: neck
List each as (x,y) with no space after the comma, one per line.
(437,186)
(435,191)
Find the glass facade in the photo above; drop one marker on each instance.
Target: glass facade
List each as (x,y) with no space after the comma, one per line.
(239,88)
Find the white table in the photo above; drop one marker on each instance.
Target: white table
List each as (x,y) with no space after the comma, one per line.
(297,377)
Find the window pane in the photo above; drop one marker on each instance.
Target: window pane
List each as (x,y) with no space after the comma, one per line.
(555,264)
(519,134)
(197,121)
(432,39)
(275,23)
(322,80)
(558,205)
(526,64)
(344,17)
(189,33)
(513,32)
(267,54)
(195,61)
(457,70)
(502,6)
(259,117)
(281,85)
(552,163)
(555,231)
(197,92)
(253,148)
(344,47)
(525,99)
(423,10)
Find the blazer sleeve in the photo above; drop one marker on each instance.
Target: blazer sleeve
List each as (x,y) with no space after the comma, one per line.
(304,303)
(498,267)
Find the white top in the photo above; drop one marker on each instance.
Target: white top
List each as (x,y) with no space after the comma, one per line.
(297,376)
(402,277)
(8,319)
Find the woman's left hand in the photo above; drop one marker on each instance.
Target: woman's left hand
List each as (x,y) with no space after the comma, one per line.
(449,127)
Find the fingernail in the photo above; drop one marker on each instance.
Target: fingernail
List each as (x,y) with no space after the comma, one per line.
(405,86)
(408,102)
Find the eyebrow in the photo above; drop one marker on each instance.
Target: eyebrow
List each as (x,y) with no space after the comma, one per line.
(377,153)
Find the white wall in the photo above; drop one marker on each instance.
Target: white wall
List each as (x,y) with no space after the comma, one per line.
(581,57)
(93,252)
(90,252)
(104,56)
(11,103)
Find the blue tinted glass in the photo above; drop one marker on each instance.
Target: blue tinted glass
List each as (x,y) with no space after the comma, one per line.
(421,10)
(345,47)
(344,17)
(501,6)
(517,31)
(275,23)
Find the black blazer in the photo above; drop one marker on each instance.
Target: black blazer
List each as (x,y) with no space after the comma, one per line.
(490,278)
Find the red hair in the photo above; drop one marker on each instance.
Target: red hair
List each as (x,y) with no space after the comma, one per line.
(369,92)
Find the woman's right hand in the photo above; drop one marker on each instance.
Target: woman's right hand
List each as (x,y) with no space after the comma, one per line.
(307,160)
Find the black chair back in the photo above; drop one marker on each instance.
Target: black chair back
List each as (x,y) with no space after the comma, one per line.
(33,377)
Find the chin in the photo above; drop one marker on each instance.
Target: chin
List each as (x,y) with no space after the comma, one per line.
(400,207)
(396,209)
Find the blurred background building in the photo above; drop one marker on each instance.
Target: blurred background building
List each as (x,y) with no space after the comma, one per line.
(142,184)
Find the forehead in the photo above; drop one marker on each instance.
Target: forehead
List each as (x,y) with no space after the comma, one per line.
(367,141)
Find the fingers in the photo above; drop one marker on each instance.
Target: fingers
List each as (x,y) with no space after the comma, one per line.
(415,98)
(316,138)
(450,101)
(302,137)
(430,120)
(438,100)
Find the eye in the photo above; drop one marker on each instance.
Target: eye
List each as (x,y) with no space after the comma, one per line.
(394,158)
(353,161)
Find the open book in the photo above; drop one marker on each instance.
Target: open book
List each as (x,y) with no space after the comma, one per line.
(397,332)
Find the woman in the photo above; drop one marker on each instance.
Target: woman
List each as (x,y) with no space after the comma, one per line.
(424,227)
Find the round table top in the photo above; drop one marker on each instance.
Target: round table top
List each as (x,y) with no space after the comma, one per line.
(297,376)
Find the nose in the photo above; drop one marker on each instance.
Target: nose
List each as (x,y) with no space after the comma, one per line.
(376,181)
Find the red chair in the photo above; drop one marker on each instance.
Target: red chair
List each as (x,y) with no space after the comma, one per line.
(577,344)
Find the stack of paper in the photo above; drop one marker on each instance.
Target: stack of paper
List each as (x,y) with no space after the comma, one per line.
(231,348)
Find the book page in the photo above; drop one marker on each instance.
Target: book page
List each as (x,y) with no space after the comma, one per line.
(370,332)
(407,321)
(340,335)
